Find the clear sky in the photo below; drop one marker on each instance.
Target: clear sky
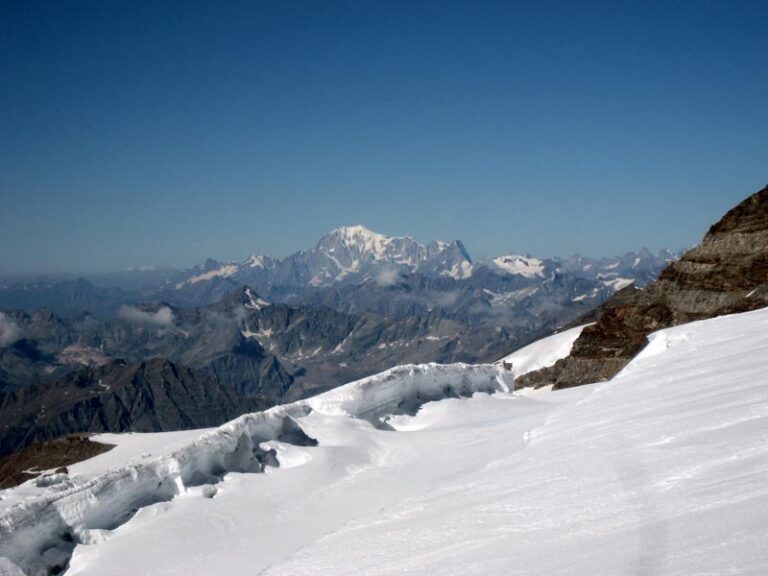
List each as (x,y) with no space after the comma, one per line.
(137,133)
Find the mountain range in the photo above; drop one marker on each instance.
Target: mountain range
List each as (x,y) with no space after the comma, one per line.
(354,270)
(354,255)
(155,366)
(235,337)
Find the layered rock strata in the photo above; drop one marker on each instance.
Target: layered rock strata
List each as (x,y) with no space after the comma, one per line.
(726,273)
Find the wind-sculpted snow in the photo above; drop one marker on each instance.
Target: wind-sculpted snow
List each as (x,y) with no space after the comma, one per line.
(39,535)
(405,388)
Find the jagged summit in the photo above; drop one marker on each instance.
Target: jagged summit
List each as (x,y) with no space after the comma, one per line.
(345,255)
(258,261)
(355,254)
(362,243)
(376,246)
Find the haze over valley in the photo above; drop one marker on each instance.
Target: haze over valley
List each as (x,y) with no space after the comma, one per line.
(383,289)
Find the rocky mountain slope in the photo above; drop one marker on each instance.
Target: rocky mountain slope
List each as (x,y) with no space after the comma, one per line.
(147,396)
(726,273)
(157,367)
(54,455)
(354,270)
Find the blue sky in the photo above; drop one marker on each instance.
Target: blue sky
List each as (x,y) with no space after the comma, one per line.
(135,133)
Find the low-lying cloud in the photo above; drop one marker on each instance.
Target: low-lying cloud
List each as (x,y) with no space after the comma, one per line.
(163,318)
(387,277)
(9,331)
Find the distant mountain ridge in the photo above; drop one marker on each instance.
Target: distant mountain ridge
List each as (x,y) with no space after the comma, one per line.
(154,367)
(724,274)
(150,368)
(354,255)
(346,255)
(264,331)
(392,275)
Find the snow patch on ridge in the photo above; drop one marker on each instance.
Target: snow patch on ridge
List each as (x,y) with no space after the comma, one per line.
(525,266)
(618,283)
(460,270)
(254,301)
(224,272)
(543,353)
(255,261)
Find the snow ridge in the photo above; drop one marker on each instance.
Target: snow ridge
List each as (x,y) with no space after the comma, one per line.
(39,535)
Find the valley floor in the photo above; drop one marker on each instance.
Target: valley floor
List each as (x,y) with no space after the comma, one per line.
(661,471)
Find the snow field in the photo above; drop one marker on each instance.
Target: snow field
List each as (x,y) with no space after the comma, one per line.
(437,470)
(40,533)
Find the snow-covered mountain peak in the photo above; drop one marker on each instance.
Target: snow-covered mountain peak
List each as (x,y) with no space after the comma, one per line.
(257,261)
(357,238)
(355,254)
(356,231)
(520,265)
(356,251)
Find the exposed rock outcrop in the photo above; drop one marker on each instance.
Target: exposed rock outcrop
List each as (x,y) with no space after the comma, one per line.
(56,454)
(726,273)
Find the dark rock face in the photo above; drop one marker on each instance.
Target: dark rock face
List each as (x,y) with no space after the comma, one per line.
(726,273)
(148,396)
(58,454)
(163,368)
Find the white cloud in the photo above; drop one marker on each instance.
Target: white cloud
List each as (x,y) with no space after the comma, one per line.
(9,331)
(163,318)
(387,277)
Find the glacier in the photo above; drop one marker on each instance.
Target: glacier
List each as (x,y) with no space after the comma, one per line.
(39,535)
(441,470)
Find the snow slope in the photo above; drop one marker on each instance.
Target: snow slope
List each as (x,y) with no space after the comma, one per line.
(544,352)
(659,472)
(39,530)
(134,447)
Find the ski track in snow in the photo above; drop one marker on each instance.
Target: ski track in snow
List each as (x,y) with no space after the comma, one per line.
(660,471)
